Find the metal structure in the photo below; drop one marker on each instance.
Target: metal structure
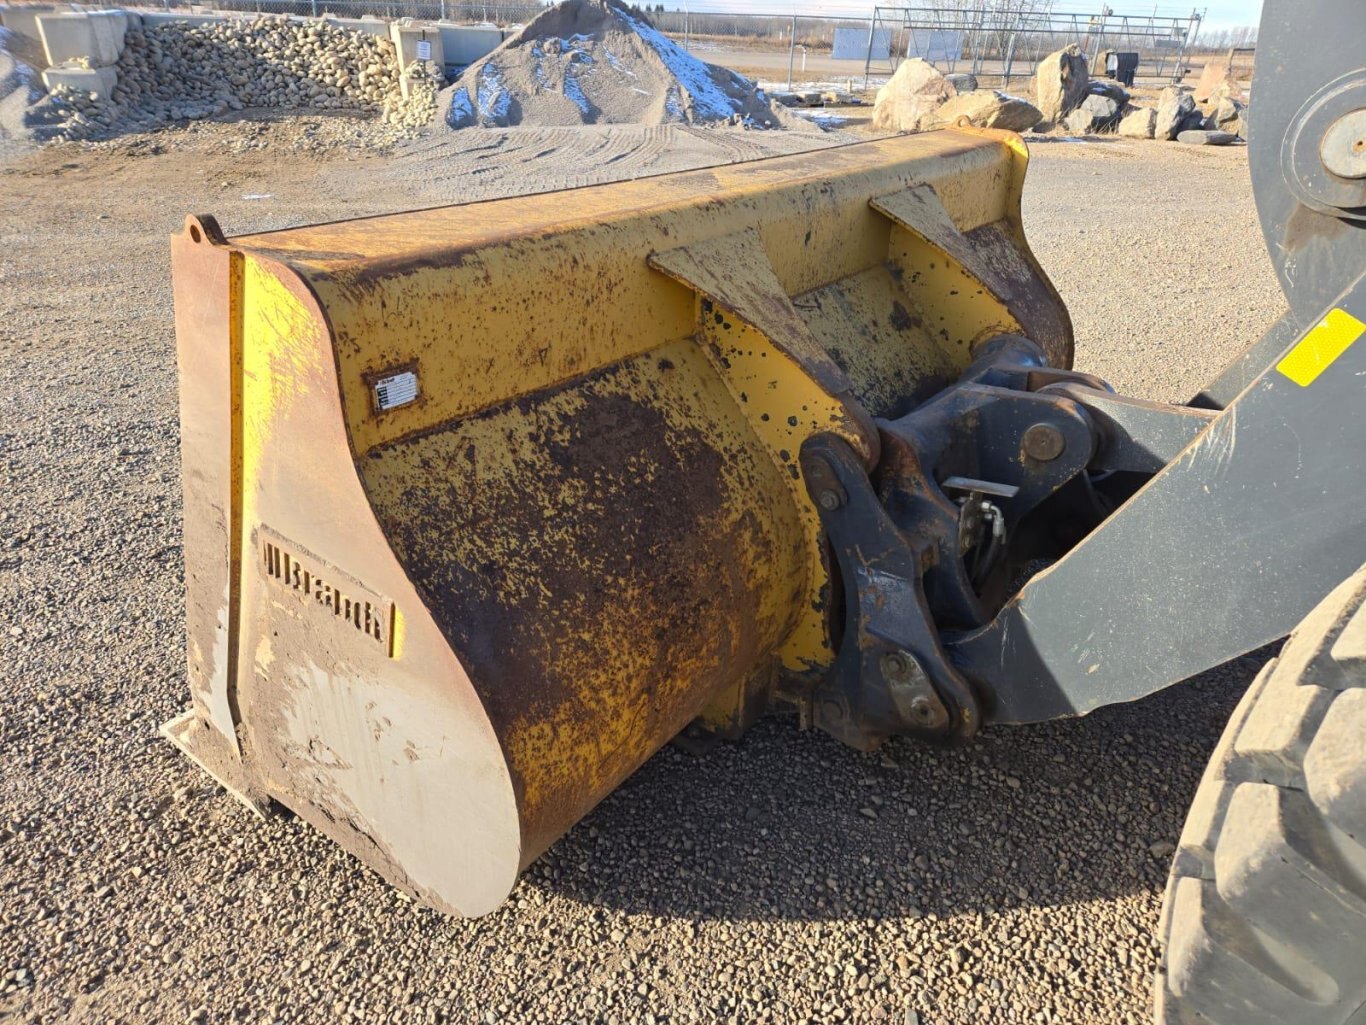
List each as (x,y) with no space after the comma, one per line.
(1000,41)
(484,504)
(430,567)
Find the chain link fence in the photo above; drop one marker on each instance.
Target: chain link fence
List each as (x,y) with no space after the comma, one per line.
(1006,42)
(1001,44)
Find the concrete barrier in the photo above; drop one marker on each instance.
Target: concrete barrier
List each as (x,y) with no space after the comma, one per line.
(24,20)
(369,23)
(465,44)
(100,81)
(151,19)
(408,37)
(96,36)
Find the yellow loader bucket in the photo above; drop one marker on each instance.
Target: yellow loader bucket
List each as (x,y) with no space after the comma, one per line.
(484,504)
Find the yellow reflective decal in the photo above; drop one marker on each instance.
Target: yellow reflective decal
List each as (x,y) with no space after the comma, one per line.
(1316,351)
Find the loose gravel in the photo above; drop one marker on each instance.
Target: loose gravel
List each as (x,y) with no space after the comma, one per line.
(784,879)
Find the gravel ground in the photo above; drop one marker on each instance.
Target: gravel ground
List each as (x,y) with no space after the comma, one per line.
(782,879)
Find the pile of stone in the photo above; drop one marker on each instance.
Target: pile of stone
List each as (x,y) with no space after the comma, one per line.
(919,99)
(1068,97)
(601,62)
(177,71)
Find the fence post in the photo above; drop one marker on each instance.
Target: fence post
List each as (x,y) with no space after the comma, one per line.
(791,51)
(868,54)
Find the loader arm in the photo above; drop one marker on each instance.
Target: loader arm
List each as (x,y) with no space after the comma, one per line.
(1263,513)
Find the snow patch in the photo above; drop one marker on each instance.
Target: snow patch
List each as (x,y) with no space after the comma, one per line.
(461,112)
(708,99)
(493,98)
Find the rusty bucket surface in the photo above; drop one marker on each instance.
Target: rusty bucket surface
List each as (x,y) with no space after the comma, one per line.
(484,504)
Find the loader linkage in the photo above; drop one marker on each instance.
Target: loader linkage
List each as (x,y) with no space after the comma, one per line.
(1005,470)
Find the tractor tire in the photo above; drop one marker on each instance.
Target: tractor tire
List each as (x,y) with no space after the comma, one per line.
(1265,913)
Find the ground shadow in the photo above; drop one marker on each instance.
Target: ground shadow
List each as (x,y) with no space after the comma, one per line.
(793,826)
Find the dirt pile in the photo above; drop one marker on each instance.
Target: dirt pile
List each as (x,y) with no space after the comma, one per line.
(178,72)
(598,62)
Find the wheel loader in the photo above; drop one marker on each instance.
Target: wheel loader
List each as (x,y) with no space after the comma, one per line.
(485,504)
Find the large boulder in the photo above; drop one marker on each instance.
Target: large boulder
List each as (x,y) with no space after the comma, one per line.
(1138,123)
(1197,122)
(1228,113)
(1175,107)
(911,99)
(1060,82)
(1211,79)
(1206,138)
(1108,87)
(987,108)
(1097,113)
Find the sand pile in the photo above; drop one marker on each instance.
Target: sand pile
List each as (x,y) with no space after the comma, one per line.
(598,62)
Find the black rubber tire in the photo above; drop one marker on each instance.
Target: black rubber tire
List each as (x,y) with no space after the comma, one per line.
(1265,913)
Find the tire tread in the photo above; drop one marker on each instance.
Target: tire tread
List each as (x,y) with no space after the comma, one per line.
(1264,919)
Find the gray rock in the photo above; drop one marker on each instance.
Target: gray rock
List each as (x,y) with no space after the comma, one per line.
(1201,137)
(1195,121)
(1078,122)
(1174,106)
(962,82)
(1138,123)
(1228,113)
(1108,87)
(1060,82)
(1097,113)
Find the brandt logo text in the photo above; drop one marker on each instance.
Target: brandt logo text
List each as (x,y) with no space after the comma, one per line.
(330,591)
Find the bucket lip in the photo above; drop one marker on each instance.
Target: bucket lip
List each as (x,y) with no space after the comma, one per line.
(418,233)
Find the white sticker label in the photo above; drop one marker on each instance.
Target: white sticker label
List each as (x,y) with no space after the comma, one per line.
(424,50)
(395,390)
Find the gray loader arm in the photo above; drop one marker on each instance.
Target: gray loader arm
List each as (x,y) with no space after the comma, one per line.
(1263,512)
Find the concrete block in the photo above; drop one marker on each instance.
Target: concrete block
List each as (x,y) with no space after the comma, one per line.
(374,26)
(151,19)
(24,20)
(406,36)
(465,44)
(96,36)
(100,81)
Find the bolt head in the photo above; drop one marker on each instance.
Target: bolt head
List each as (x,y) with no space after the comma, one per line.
(922,709)
(1043,442)
(895,666)
(829,501)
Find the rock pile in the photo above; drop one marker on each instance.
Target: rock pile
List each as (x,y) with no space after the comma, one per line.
(600,62)
(1082,105)
(919,99)
(176,72)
